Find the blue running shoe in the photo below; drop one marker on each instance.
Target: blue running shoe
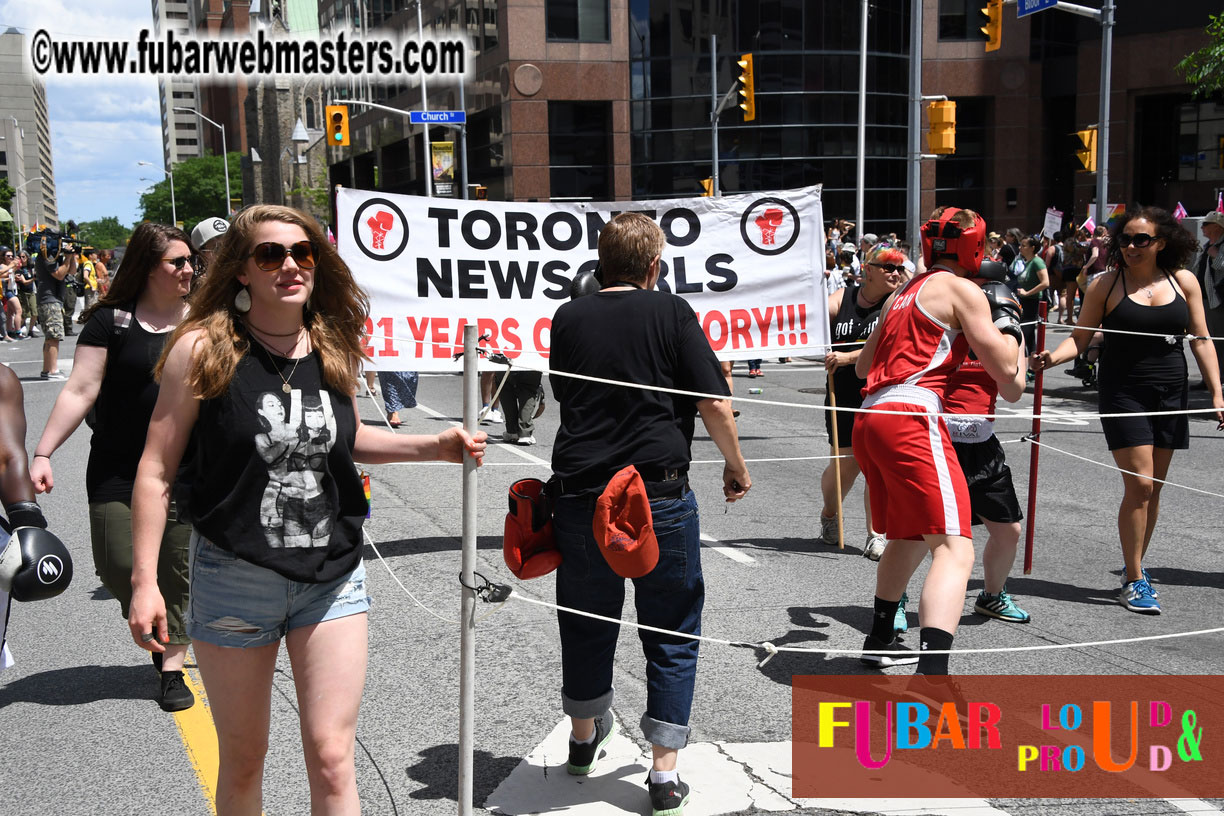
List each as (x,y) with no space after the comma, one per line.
(1000,606)
(1147,577)
(1137,596)
(900,622)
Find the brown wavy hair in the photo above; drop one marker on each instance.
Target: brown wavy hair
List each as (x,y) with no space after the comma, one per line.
(1179,247)
(335,314)
(145,250)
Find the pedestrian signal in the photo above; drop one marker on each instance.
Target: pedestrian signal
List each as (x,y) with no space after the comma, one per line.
(1088,153)
(941,138)
(337,125)
(994,24)
(482,193)
(747,89)
(707,184)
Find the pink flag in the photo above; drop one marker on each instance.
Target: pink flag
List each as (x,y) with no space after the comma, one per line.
(1220,202)
(331,239)
(1179,212)
(1089,225)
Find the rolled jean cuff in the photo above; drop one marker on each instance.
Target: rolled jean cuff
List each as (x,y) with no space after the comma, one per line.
(665,734)
(585,709)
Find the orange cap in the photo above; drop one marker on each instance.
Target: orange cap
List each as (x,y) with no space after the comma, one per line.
(623,526)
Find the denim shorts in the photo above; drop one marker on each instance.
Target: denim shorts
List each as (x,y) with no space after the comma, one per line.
(236,603)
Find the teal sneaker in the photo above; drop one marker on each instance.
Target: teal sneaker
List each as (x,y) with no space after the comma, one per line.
(1000,606)
(1137,596)
(900,622)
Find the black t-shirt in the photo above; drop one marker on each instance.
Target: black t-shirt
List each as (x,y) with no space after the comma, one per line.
(274,480)
(20,275)
(49,289)
(124,405)
(636,336)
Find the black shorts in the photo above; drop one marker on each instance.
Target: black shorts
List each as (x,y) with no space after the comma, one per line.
(1169,432)
(992,496)
(847,397)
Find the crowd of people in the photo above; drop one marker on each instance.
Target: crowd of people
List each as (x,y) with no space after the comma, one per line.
(218,372)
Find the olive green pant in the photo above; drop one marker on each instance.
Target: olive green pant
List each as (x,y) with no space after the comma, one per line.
(110,529)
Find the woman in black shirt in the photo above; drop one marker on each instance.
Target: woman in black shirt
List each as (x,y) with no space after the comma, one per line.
(263,371)
(112,382)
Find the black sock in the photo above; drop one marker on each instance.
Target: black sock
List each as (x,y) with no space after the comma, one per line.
(882,620)
(932,638)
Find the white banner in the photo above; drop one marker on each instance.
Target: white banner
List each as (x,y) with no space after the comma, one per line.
(750,265)
(1053,222)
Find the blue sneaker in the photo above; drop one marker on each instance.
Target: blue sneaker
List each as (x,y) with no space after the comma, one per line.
(1146,576)
(1137,596)
(1001,607)
(900,622)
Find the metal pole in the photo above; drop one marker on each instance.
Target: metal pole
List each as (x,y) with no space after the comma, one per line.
(467,632)
(225,166)
(1102,189)
(862,130)
(463,169)
(914,186)
(424,107)
(714,115)
(173,208)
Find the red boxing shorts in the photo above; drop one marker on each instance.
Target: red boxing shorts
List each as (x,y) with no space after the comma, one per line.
(916,483)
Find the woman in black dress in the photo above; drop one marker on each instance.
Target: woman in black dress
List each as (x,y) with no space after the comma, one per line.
(1145,289)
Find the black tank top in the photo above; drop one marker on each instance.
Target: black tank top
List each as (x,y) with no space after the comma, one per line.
(274,480)
(853,324)
(1139,358)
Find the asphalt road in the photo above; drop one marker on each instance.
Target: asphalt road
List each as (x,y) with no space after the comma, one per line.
(83,735)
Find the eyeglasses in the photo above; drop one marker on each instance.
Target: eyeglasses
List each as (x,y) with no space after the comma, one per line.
(891,269)
(181,261)
(270,256)
(1139,239)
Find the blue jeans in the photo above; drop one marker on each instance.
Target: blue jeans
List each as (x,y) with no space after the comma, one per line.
(670,597)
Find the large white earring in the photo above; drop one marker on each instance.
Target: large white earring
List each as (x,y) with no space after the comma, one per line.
(242,300)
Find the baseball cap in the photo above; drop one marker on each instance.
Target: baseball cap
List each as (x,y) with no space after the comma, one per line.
(1214,217)
(207,230)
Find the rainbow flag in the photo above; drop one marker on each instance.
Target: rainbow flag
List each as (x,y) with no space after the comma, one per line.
(365,486)
(1179,212)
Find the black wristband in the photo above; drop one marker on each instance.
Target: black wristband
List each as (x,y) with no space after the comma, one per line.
(25,514)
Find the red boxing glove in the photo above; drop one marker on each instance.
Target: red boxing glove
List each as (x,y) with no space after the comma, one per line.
(528,545)
(624,526)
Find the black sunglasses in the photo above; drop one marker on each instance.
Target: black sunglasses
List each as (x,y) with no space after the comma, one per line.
(182,261)
(1139,239)
(270,256)
(892,269)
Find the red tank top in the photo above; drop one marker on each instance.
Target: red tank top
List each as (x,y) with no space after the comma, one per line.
(914,348)
(970,390)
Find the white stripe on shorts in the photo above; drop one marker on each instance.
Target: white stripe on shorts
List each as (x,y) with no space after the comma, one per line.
(946,491)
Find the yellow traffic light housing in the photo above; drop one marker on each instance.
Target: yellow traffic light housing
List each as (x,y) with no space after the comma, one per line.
(747,81)
(941,138)
(994,24)
(707,184)
(482,193)
(1088,153)
(337,125)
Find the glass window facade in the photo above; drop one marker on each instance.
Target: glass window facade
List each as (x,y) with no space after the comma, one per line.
(577,20)
(806,62)
(960,179)
(961,20)
(580,161)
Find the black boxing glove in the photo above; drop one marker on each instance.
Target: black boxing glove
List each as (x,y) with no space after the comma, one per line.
(584,283)
(25,514)
(1004,308)
(34,565)
(992,271)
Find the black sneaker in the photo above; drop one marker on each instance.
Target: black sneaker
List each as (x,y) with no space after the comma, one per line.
(667,798)
(174,696)
(882,661)
(584,756)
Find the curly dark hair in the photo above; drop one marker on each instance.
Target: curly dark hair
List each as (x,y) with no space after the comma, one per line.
(1179,247)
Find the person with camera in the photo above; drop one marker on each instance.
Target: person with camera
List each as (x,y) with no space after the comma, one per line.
(10,309)
(50,272)
(25,289)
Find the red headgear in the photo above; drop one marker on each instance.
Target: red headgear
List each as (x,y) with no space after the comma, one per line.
(944,238)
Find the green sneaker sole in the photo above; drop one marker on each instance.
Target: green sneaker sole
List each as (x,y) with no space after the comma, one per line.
(678,810)
(584,770)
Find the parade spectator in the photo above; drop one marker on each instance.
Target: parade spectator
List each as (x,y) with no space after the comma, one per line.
(605,428)
(29,300)
(50,273)
(866,244)
(399,390)
(521,398)
(1030,287)
(93,285)
(994,244)
(10,327)
(853,312)
(1146,289)
(112,385)
(1009,251)
(1073,258)
(205,238)
(1098,254)
(263,370)
(1210,273)
(74,286)
(1052,254)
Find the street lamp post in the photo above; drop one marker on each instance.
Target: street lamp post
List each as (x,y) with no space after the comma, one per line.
(17,215)
(224,154)
(169,175)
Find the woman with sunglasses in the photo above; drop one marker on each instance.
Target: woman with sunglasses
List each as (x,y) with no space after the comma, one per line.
(112,383)
(263,372)
(1146,289)
(854,311)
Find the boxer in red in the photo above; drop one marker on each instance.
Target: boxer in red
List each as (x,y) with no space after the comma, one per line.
(926,329)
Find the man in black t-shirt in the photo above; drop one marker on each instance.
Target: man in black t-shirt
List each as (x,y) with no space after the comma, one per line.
(629,333)
(49,279)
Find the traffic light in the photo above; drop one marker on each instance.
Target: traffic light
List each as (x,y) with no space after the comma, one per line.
(337,125)
(941,138)
(707,184)
(747,89)
(482,192)
(1088,153)
(994,24)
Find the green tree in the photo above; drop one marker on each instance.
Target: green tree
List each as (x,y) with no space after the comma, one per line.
(199,191)
(105,233)
(6,195)
(1204,68)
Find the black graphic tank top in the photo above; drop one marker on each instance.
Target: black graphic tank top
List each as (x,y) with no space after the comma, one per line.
(852,324)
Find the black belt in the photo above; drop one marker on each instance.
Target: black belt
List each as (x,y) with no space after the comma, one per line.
(660,482)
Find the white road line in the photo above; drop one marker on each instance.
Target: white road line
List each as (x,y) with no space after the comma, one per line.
(515,449)
(1193,806)
(730,552)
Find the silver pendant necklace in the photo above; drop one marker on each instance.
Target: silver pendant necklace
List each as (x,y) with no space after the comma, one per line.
(286,387)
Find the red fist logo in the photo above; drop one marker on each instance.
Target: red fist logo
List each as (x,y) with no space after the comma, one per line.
(769,221)
(379,224)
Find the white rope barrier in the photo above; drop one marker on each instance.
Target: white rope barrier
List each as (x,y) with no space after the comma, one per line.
(1120,470)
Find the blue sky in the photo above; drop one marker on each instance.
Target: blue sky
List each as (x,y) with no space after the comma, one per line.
(100,127)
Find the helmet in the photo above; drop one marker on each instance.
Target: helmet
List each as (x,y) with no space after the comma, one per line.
(944,238)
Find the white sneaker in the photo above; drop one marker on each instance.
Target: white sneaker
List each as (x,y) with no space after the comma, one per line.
(494,417)
(874,547)
(526,440)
